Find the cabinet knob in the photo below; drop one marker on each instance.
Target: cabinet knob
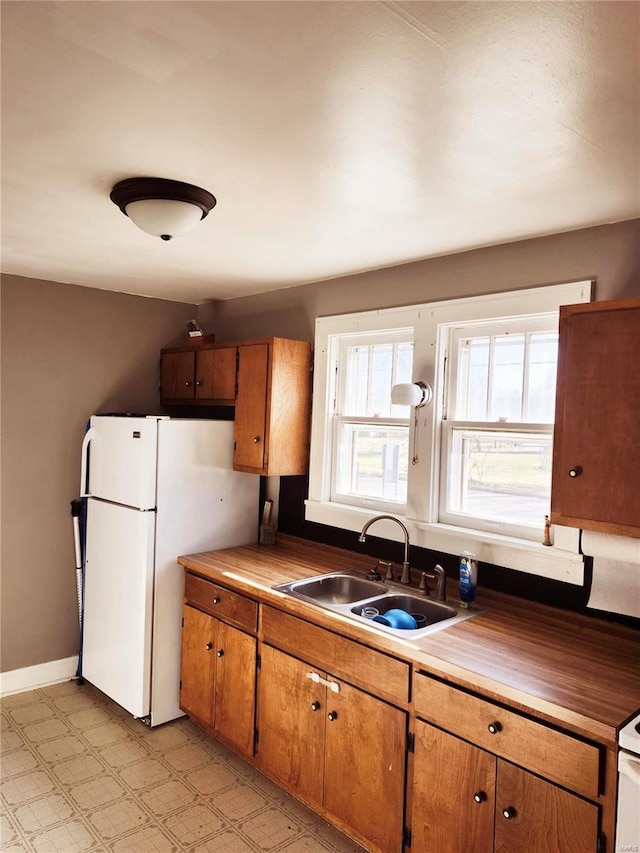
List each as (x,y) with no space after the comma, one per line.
(220,653)
(315,706)
(198,383)
(332,715)
(494,728)
(480,797)
(575,472)
(216,599)
(209,646)
(256,439)
(509,813)
(187,384)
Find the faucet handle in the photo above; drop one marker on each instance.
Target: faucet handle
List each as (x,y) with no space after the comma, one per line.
(423,583)
(388,566)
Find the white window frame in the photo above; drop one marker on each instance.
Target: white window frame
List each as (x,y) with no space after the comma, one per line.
(451,423)
(431,323)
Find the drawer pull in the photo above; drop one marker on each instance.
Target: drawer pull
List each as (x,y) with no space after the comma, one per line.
(480,797)
(332,715)
(209,646)
(509,813)
(216,599)
(220,653)
(494,728)
(315,706)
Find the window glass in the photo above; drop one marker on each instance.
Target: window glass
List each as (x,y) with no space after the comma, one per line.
(500,374)
(371,435)
(373,461)
(503,477)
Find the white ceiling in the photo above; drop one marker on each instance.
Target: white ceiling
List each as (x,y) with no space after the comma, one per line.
(337,136)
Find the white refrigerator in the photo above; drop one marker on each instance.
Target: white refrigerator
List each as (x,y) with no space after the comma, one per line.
(155,488)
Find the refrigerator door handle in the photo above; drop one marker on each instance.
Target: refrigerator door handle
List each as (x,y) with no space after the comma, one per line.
(88,436)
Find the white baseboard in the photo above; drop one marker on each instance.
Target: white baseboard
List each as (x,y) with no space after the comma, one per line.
(41,675)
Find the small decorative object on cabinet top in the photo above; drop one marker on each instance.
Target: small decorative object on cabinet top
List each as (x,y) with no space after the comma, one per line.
(197,336)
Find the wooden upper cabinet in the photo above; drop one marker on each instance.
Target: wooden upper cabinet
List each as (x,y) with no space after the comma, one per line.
(596,465)
(267,380)
(216,374)
(198,376)
(273,407)
(177,375)
(250,431)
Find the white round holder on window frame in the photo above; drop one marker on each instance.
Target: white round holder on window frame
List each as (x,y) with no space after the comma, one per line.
(416,394)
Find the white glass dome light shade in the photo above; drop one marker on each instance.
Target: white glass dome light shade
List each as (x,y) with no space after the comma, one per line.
(162,207)
(411,394)
(164,218)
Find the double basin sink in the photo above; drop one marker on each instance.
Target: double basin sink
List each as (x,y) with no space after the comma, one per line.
(348,593)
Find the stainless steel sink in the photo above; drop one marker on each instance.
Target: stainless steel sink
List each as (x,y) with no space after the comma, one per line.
(433,611)
(337,588)
(348,592)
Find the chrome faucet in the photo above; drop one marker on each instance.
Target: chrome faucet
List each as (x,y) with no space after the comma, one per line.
(406,576)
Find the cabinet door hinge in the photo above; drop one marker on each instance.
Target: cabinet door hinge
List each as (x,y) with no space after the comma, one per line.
(406,837)
(180,684)
(183,621)
(411,742)
(602,843)
(258,661)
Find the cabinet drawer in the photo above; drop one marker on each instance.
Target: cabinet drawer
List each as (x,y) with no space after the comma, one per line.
(374,671)
(552,754)
(221,602)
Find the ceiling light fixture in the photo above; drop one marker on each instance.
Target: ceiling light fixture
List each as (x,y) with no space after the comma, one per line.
(162,207)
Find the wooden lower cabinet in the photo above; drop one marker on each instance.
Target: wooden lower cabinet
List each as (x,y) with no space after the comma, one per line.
(218,673)
(336,747)
(466,799)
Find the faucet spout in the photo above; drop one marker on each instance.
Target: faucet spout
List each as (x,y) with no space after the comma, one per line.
(406,575)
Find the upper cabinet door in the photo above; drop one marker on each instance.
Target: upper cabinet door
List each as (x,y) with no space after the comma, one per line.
(216,374)
(251,408)
(596,464)
(177,375)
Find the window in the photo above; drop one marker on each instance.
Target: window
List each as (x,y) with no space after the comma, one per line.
(472,469)
(371,436)
(497,427)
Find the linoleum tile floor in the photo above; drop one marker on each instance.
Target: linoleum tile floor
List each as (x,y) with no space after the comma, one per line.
(79,774)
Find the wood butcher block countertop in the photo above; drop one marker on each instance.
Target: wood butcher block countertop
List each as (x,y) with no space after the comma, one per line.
(579,672)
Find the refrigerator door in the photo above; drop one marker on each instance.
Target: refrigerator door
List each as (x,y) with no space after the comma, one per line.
(202,505)
(122,460)
(118,603)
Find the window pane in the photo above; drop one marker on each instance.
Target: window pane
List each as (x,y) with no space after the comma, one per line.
(373,461)
(381,371)
(473,379)
(504,477)
(370,372)
(541,391)
(506,379)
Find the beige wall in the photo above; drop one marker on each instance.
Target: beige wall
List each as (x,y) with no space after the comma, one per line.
(70,351)
(67,352)
(610,254)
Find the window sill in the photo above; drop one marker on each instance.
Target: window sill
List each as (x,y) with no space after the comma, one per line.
(558,563)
